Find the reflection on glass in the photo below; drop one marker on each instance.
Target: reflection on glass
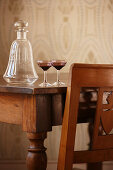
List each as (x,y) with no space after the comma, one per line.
(58,64)
(45,65)
(20,68)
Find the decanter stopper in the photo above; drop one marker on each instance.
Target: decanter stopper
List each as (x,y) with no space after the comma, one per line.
(21,24)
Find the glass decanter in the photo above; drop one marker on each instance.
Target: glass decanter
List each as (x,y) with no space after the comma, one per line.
(20,68)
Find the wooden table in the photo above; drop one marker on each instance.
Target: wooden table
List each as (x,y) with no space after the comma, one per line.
(37,110)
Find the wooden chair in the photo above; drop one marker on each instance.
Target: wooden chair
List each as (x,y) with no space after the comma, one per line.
(99,76)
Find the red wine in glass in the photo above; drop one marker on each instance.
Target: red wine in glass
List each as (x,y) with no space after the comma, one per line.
(45,65)
(58,64)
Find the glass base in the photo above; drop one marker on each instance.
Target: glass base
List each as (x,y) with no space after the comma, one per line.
(59,83)
(17,81)
(45,84)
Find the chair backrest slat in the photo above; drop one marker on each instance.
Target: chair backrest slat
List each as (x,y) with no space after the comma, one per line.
(103,120)
(90,75)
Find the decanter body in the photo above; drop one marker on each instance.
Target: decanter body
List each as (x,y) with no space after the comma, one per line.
(20,69)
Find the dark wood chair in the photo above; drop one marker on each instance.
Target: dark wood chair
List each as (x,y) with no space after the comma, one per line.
(96,76)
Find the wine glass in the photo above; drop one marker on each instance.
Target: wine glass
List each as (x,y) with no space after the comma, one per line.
(45,65)
(58,64)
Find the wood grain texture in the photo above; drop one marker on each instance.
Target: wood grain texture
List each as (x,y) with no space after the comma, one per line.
(43,113)
(93,156)
(34,88)
(103,141)
(36,157)
(29,114)
(107,112)
(65,159)
(11,108)
(58,103)
(85,75)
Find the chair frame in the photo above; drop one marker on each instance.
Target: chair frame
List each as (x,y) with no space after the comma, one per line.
(85,75)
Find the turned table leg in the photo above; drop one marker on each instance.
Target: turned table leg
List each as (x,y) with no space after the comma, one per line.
(36,158)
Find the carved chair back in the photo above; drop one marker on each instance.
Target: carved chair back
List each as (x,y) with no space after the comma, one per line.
(99,77)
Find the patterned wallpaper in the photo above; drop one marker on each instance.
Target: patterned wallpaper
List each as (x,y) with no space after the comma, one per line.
(74,30)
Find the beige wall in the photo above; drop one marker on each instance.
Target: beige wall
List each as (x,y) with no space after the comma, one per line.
(74,30)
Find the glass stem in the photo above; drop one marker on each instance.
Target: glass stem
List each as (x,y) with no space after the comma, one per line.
(45,76)
(58,73)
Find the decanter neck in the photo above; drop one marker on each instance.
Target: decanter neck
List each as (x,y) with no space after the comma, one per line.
(21,35)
